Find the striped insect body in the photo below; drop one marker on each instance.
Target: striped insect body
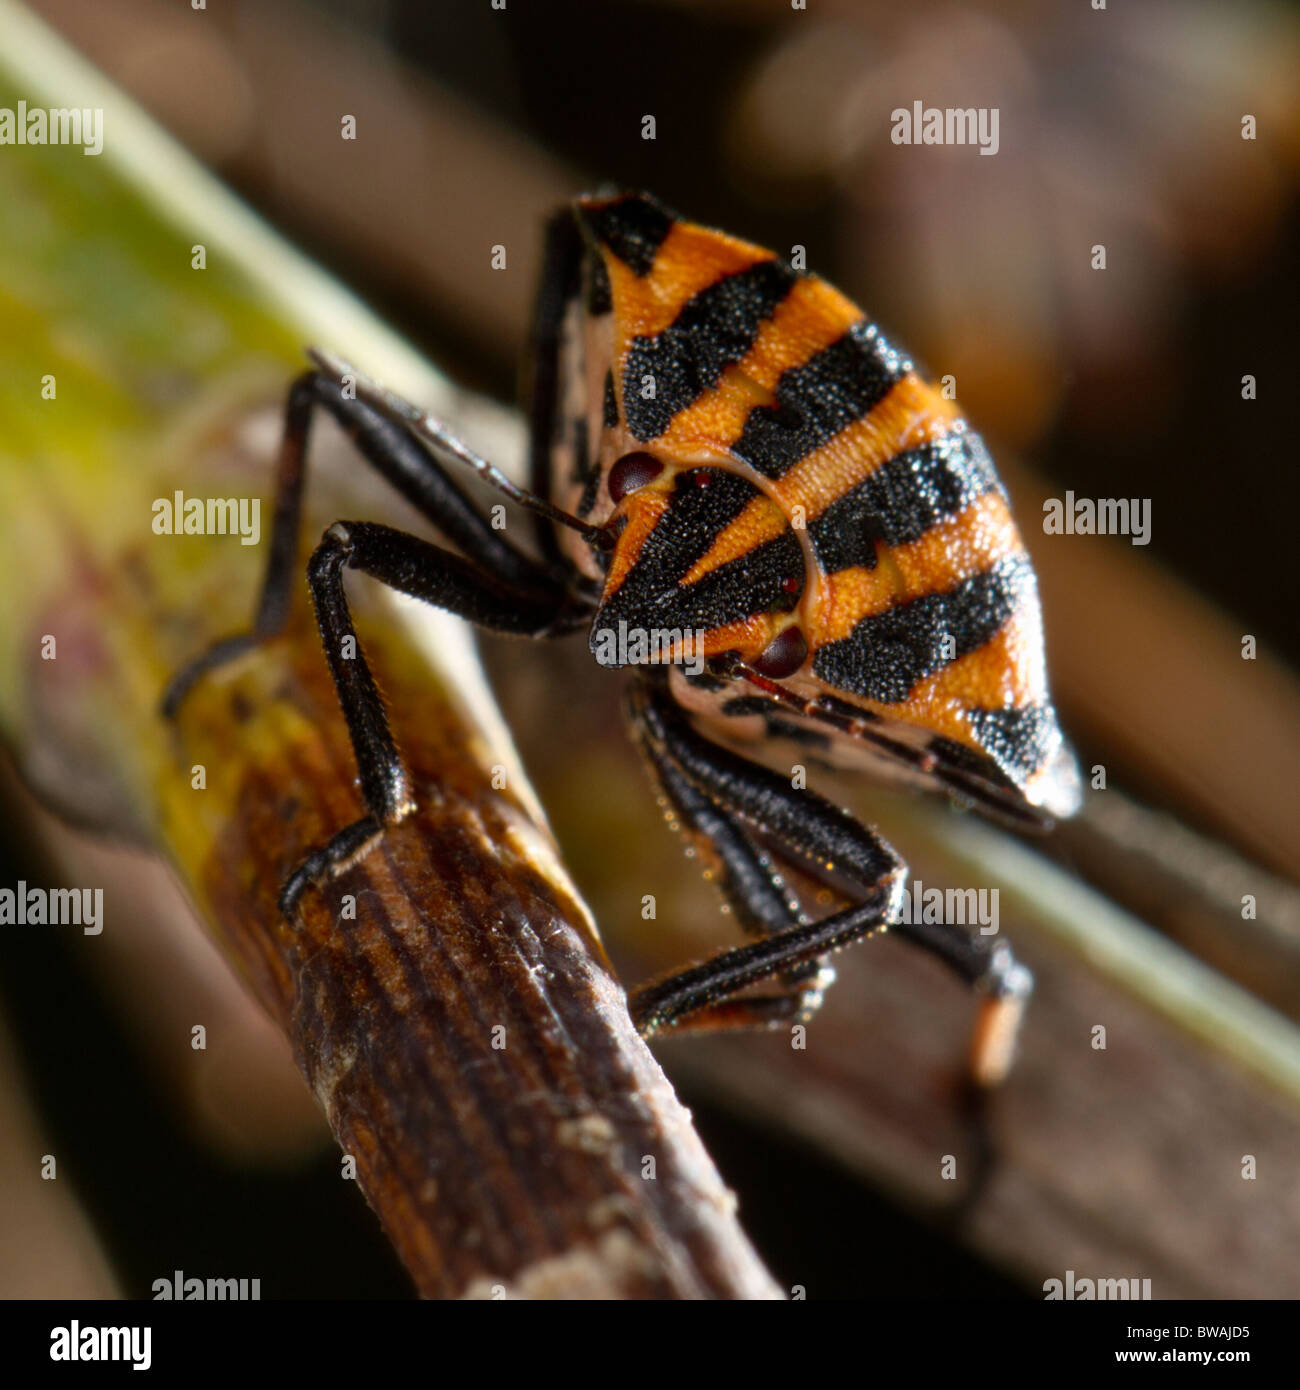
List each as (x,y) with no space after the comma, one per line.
(747,494)
(792,493)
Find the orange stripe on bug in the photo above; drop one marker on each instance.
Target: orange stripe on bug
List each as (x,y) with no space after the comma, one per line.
(643,508)
(948,553)
(689,260)
(810,318)
(1006,671)
(911,414)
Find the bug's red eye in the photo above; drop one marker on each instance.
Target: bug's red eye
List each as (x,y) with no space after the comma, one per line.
(784,655)
(631,472)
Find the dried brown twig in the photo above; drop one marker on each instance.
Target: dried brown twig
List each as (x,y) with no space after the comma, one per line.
(447,998)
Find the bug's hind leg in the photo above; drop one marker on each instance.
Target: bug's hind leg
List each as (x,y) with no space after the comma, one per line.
(989,966)
(726,789)
(757,896)
(413,470)
(426,572)
(718,794)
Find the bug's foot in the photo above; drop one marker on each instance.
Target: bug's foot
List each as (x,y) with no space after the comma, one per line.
(803,992)
(319,868)
(218,654)
(1007,986)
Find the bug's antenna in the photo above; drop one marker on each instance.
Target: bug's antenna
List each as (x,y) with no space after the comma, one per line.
(434,433)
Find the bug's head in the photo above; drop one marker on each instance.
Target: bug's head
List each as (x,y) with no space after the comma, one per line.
(684,574)
(688,575)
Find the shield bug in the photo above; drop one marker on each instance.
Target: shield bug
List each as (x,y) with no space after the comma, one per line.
(746,493)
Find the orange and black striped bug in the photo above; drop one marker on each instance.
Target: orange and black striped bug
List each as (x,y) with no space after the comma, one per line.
(745,492)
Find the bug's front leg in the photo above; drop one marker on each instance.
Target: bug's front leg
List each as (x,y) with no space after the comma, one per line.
(433,575)
(490,581)
(413,467)
(716,790)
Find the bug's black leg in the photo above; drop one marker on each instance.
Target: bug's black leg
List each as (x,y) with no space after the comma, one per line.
(809,828)
(804,824)
(756,894)
(443,444)
(426,572)
(989,966)
(558,286)
(406,463)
